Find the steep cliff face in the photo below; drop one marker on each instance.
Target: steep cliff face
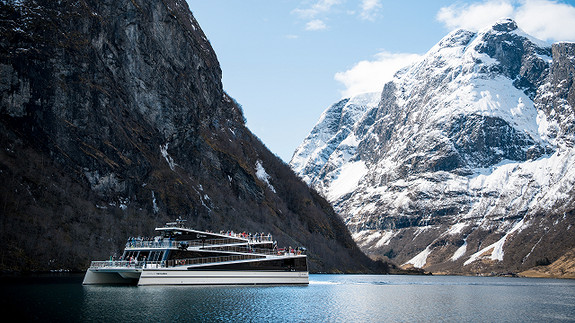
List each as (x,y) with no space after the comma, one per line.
(114,120)
(332,144)
(467,162)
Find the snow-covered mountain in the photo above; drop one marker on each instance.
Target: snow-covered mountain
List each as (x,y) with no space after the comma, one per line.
(464,162)
(327,157)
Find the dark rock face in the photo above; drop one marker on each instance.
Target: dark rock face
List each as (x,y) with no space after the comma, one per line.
(482,141)
(557,97)
(563,71)
(467,164)
(114,121)
(518,57)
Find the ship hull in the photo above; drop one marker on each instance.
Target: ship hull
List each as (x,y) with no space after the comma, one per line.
(184,276)
(220,277)
(112,276)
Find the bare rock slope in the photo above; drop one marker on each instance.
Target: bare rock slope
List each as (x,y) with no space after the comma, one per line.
(113,120)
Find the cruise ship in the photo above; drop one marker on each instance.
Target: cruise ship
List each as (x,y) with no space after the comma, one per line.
(184,256)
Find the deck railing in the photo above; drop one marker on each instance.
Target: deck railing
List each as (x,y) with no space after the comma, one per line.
(216,245)
(180,262)
(169,263)
(209,260)
(122,264)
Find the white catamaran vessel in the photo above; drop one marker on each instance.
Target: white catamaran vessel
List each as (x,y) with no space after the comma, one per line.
(183,256)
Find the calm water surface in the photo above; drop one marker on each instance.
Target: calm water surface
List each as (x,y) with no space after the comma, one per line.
(328,298)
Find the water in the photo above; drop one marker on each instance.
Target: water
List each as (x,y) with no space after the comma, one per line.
(328,298)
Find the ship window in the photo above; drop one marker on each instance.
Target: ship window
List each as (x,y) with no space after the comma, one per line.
(142,255)
(293,264)
(129,255)
(155,255)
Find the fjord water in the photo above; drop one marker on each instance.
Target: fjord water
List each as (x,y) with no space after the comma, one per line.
(328,298)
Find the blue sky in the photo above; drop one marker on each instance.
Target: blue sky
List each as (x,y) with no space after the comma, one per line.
(286,61)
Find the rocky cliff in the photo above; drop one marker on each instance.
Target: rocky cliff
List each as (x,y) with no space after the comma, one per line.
(114,121)
(466,164)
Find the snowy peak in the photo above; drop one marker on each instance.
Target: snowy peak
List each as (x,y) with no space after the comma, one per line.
(335,130)
(470,86)
(467,152)
(502,48)
(505,25)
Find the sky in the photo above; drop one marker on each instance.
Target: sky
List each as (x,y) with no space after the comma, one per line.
(286,61)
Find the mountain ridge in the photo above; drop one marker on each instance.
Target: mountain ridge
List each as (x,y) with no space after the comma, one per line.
(468,152)
(114,121)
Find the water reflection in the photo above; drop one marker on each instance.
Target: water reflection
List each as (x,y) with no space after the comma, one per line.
(328,298)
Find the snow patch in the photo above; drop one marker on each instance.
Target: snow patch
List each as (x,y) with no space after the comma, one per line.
(460,251)
(386,238)
(366,237)
(154,204)
(167,157)
(495,251)
(421,258)
(349,176)
(456,228)
(263,176)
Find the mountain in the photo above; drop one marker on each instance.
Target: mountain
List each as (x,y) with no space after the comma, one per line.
(466,164)
(113,121)
(325,156)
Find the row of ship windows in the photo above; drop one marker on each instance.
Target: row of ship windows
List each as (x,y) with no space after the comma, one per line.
(143,255)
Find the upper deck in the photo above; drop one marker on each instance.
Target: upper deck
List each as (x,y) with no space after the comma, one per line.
(178,242)
(213,244)
(177,237)
(180,233)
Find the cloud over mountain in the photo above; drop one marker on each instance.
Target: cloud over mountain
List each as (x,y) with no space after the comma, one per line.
(371,75)
(544,19)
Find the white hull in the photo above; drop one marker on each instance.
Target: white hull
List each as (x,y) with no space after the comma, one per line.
(193,277)
(221,277)
(111,276)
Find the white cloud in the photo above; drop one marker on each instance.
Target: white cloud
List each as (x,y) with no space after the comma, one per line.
(371,76)
(545,19)
(320,7)
(317,12)
(369,9)
(475,16)
(316,24)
